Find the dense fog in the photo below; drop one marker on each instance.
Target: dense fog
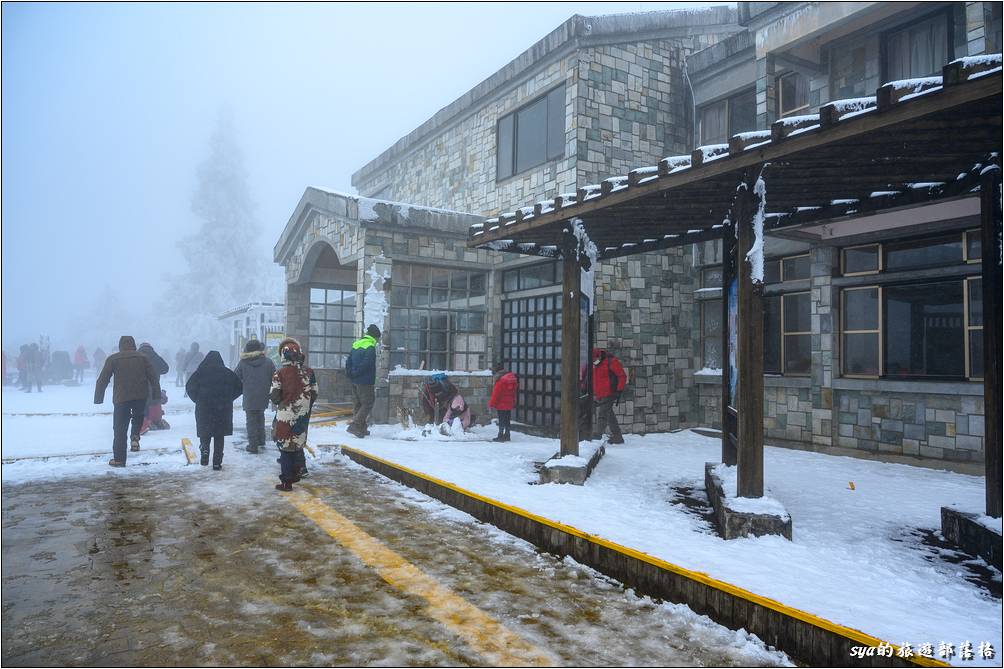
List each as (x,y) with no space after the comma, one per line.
(152,153)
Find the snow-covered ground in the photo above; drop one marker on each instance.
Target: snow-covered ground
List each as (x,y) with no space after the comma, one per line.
(61,432)
(856,558)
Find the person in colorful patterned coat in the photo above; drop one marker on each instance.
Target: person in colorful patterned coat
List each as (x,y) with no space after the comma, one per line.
(294,391)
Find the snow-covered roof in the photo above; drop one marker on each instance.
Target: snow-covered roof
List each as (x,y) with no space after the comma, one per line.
(366,211)
(680,200)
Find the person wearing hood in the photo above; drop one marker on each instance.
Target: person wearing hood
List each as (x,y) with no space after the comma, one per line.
(255,370)
(154,414)
(135,379)
(213,388)
(360,365)
(294,391)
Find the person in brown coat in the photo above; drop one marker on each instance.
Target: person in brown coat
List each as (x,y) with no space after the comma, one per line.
(135,378)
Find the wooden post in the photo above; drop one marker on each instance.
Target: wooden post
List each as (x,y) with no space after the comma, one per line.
(750,359)
(570,280)
(990,213)
(728,272)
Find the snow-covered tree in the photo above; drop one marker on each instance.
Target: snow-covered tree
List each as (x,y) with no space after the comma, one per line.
(226,262)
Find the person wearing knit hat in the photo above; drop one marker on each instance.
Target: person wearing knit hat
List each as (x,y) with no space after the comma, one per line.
(361,369)
(294,391)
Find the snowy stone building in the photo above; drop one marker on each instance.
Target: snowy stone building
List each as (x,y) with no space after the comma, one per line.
(593,99)
(264,321)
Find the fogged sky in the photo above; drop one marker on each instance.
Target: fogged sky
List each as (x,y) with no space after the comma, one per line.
(107,109)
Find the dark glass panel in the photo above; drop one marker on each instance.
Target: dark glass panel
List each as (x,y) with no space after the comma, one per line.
(556,123)
(772,335)
(531,135)
(861,259)
(796,268)
(861,309)
(797,354)
(861,354)
(796,313)
(945,250)
(924,330)
(504,147)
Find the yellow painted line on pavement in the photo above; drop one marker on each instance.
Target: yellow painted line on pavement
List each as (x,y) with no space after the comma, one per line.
(324,423)
(489,638)
(700,577)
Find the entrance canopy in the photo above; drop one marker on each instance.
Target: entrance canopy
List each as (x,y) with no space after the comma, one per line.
(913,142)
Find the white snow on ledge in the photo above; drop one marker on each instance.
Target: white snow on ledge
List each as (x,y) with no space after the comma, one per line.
(401,371)
(709,371)
(762,505)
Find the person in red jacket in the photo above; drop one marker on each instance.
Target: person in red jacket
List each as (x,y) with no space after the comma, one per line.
(609,380)
(503,399)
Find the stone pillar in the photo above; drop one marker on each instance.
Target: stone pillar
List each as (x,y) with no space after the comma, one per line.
(298,314)
(823,345)
(766,106)
(373,274)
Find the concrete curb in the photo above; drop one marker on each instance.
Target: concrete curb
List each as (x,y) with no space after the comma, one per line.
(803,636)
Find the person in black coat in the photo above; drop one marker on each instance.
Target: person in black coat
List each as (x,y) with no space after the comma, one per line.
(213,388)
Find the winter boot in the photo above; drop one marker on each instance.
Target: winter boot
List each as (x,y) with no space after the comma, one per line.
(353,430)
(116,463)
(252,448)
(217,468)
(205,456)
(284,486)
(134,444)
(615,439)
(501,436)
(507,436)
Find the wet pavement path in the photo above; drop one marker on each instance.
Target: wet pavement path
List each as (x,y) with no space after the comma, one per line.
(204,568)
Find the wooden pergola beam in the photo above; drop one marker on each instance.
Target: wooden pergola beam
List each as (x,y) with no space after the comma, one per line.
(990,215)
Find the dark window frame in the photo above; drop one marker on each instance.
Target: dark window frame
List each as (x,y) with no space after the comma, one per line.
(794,111)
(331,345)
(521,271)
(945,12)
(728,101)
(531,327)
(783,333)
(512,118)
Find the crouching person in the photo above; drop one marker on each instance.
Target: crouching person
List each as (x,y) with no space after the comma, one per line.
(213,388)
(255,370)
(294,391)
(503,399)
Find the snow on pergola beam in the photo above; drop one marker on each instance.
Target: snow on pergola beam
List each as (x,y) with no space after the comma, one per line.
(865,154)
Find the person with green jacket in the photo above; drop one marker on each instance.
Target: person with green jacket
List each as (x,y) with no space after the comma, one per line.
(361,369)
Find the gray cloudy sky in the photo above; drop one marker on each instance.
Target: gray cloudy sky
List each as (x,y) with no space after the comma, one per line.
(107,109)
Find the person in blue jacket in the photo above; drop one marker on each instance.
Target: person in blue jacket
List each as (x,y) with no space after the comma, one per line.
(361,369)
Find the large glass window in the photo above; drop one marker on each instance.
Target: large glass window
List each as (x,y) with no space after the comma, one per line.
(915,330)
(531,135)
(531,347)
(917,50)
(332,325)
(724,118)
(787,331)
(437,318)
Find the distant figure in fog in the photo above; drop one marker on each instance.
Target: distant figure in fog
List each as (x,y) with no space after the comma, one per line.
(294,391)
(255,371)
(134,380)
(35,366)
(213,388)
(179,368)
(80,363)
(192,360)
(99,359)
